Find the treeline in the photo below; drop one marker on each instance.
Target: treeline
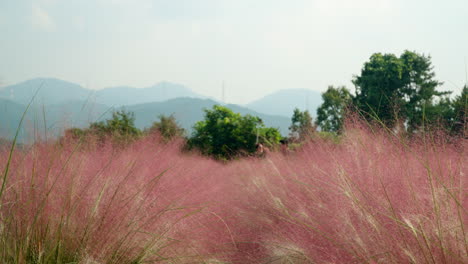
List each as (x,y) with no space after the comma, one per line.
(222,134)
(399,93)
(121,129)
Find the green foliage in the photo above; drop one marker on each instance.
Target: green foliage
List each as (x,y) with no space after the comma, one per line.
(301,124)
(331,113)
(122,123)
(378,87)
(393,89)
(330,137)
(461,110)
(75,133)
(269,136)
(120,129)
(457,118)
(167,127)
(225,134)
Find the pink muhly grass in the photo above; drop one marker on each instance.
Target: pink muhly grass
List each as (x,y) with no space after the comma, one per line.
(372,198)
(64,203)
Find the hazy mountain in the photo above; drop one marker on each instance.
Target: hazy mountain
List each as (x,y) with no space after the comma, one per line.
(124,95)
(54,91)
(60,105)
(59,117)
(10,115)
(283,102)
(55,117)
(72,114)
(188,111)
(51,91)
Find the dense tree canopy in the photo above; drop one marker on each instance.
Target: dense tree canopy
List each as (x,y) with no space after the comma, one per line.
(392,89)
(331,113)
(459,118)
(225,134)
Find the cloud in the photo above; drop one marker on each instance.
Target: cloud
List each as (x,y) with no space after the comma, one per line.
(40,19)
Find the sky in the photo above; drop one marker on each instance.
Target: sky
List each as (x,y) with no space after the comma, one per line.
(254,47)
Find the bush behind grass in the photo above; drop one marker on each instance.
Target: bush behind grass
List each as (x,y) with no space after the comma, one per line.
(371,198)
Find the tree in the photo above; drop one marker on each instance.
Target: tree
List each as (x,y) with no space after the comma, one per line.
(421,108)
(301,124)
(377,88)
(392,89)
(167,127)
(225,134)
(268,136)
(331,112)
(121,127)
(460,111)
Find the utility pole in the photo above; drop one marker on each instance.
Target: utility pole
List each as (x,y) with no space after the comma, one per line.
(223,93)
(466,73)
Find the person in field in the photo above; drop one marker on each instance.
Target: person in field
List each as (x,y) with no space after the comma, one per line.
(261,151)
(284,146)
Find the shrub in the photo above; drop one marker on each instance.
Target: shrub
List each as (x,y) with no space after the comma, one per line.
(120,130)
(121,127)
(167,127)
(225,134)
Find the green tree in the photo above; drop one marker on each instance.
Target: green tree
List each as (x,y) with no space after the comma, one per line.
(392,89)
(121,127)
(225,134)
(460,111)
(269,136)
(301,124)
(419,91)
(168,128)
(331,112)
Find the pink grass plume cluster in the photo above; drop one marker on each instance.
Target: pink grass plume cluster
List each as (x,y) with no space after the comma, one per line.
(372,198)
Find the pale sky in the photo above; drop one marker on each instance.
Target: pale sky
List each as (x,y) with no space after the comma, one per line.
(255,46)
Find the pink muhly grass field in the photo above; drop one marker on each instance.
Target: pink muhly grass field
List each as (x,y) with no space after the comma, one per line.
(372,198)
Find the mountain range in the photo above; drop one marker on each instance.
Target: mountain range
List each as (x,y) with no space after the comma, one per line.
(283,102)
(59,104)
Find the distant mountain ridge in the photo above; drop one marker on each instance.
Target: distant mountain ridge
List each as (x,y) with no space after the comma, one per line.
(188,111)
(10,116)
(54,91)
(49,91)
(125,95)
(60,105)
(283,102)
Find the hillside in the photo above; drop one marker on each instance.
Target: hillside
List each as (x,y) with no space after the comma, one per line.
(125,95)
(65,104)
(187,111)
(283,102)
(54,92)
(73,114)
(57,117)
(81,113)
(11,114)
(51,91)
